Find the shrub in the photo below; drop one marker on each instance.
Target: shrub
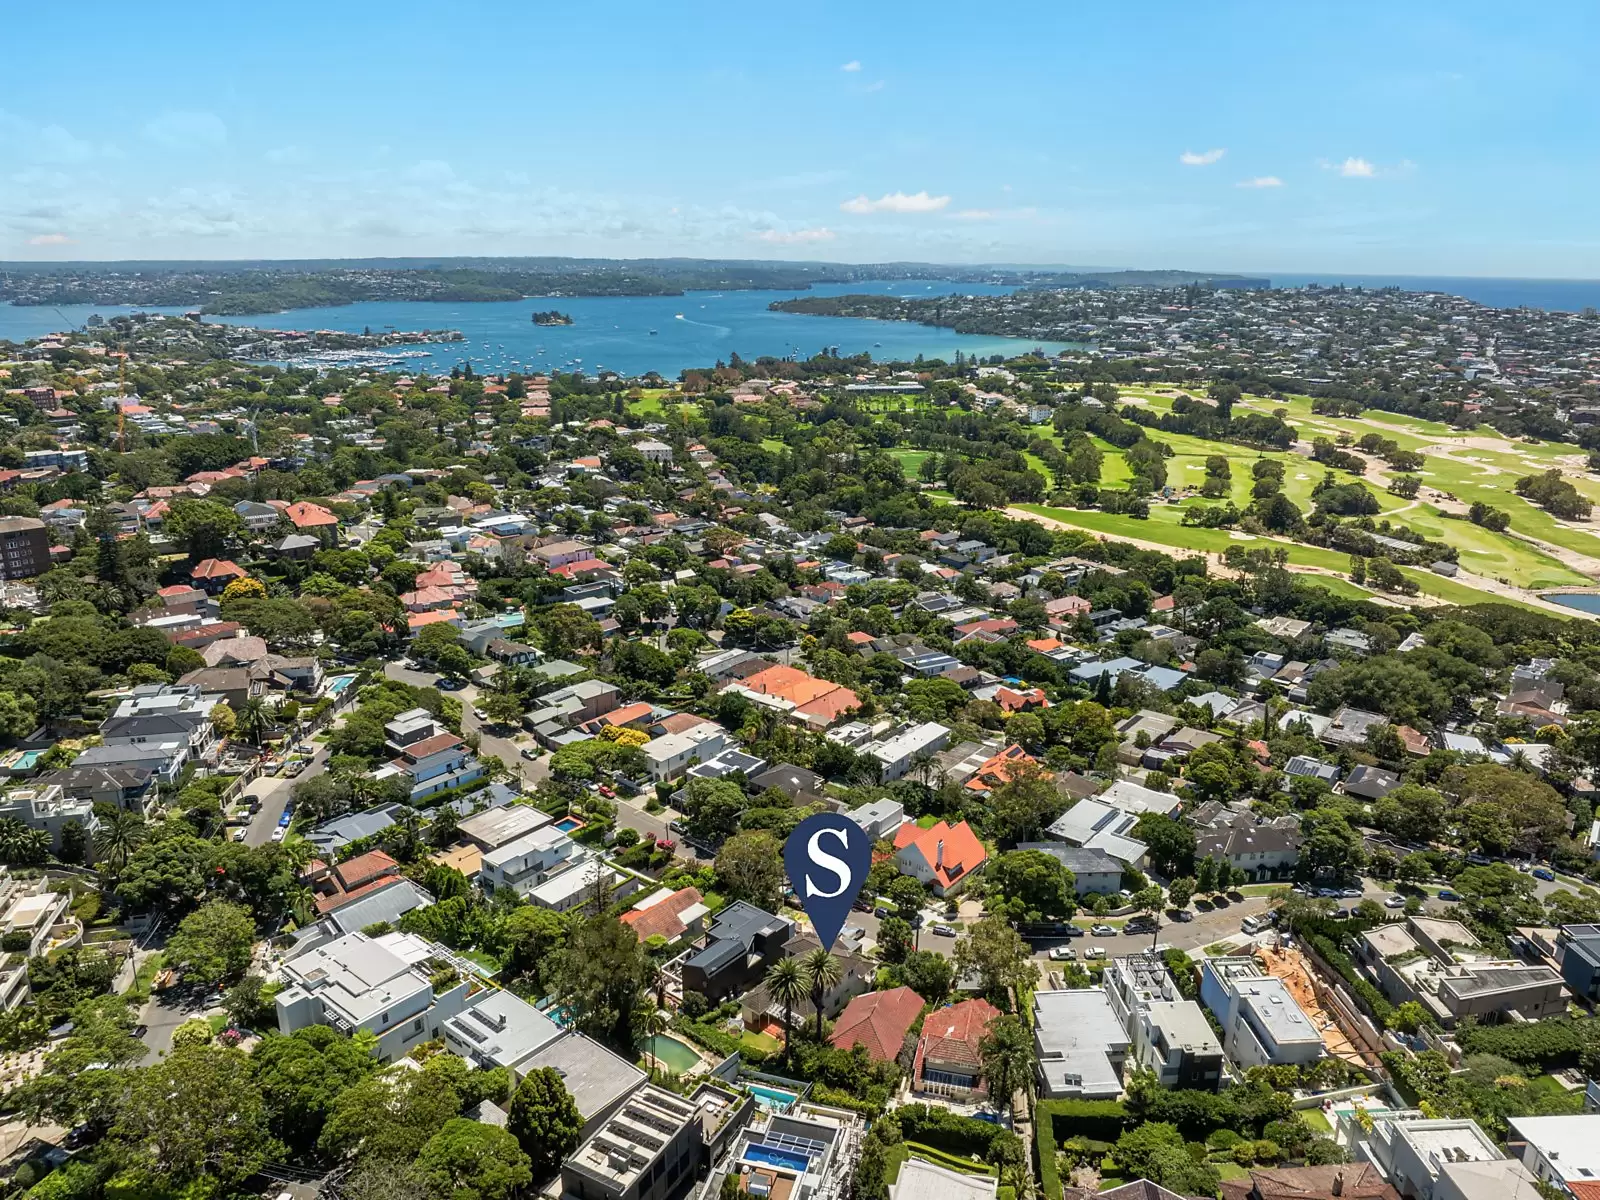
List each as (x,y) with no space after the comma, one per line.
(945,1130)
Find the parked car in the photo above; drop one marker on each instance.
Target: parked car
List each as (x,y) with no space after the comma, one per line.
(1074,931)
(607,792)
(1103,930)
(297,766)
(1448,894)
(239,834)
(529,752)
(1184,914)
(1395,901)
(1352,893)
(1544,873)
(943,930)
(1094,952)
(277,834)
(1063,954)
(283,821)
(1255,924)
(479,713)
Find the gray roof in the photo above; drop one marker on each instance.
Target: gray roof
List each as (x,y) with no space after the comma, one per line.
(1076,1032)
(594,1076)
(386,904)
(1080,860)
(502,1028)
(341,831)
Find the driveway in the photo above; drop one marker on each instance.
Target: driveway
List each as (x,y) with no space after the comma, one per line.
(273,792)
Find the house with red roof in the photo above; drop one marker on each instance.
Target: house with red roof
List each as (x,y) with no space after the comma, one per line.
(878,1021)
(943,857)
(338,885)
(214,574)
(313,519)
(1014,700)
(949,1059)
(997,770)
(814,702)
(668,914)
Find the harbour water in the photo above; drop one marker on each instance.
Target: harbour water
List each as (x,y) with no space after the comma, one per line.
(669,334)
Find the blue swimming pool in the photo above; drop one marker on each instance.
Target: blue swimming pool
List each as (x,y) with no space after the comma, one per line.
(569,824)
(338,683)
(773,1098)
(771,1156)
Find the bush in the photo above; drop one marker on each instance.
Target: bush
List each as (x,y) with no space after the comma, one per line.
(1223,1139)
(15,940)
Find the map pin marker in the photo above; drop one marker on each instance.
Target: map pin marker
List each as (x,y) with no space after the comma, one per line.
(827,856)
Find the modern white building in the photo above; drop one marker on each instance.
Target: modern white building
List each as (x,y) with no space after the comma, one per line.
(879,819)
(1169,1035)
(671,754)
(1415,1151)
(396,986)
(1560,1150)
(899,754)
(1079,1044)
(500,1030)
(1261,1023)
(528,861)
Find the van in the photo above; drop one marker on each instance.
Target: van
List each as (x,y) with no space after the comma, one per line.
(1092,952)
(1254,924)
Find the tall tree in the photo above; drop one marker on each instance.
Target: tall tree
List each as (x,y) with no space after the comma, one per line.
(822,973)
(544,1119)
(1007,1054)
(787,985)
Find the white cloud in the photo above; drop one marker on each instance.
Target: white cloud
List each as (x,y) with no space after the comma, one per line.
(186,130)
(1357,168)
(876,85)
(974,214)
(1204,159)
(896,202)
(1260,181)
(853,65)
(50,239)
(794,237)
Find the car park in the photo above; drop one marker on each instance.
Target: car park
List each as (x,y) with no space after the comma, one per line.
(1103,930)
(1063,954)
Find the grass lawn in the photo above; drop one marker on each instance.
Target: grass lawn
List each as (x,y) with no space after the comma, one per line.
(762,1042)
(1231,1170)
(927,822)
(945,1159)
(1316,1120)
(487,961)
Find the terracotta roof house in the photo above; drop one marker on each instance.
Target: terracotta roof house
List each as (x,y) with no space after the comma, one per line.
(1020,699)
(306,515)
(995,771)
(944,856)
(214,574)
(339,885)
(1340,1181)
(667,914)
(235,652)
(949,1061)
(879,1021)
(816,702)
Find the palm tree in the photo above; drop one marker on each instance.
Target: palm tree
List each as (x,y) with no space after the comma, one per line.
(653,1024)
(1007,1055)
(788,985)
(822,974)
(120,834)
(20,845)
(252,719)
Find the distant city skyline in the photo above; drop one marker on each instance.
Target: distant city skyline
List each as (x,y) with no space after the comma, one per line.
(1427,139)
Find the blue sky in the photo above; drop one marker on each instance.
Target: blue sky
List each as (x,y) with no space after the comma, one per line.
(1441,138)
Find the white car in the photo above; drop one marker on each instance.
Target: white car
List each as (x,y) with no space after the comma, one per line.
(1395,901)
(1063,954)
(277,834)
(239,834)
(1095,952)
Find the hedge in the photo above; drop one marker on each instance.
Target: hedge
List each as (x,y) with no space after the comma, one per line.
(954,1162)
(1098,1120)
(948,1131)
(1369,997)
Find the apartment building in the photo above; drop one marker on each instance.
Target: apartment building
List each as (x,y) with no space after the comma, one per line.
(48,808)
(648,1150)
(1168,1034)
(1080,1046)
(24,547)
(898,755)
(670,755)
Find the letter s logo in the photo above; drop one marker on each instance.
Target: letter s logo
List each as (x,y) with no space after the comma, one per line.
(827,862)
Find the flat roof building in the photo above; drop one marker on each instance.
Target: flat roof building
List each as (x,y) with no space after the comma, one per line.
(1080,1045)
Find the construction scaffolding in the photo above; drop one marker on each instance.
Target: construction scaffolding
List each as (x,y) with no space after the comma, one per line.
(1336,1022)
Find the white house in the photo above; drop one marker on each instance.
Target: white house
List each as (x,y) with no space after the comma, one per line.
(671,754)
(899,754)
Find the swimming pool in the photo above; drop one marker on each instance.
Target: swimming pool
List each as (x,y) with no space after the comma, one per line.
(771,1156)
(674,1055)
(569,824)
(337,685)
(775,1099)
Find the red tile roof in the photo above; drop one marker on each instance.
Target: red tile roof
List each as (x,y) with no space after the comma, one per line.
(364,868)
(879,1021)
(998,769)
(307,515)
(436,744)
(217,568)
(963,852)
(664,918)
(953,1035)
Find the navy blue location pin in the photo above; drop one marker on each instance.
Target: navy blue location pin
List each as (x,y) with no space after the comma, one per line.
(827,856)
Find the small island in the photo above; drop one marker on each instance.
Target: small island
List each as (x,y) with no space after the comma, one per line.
(551,318)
